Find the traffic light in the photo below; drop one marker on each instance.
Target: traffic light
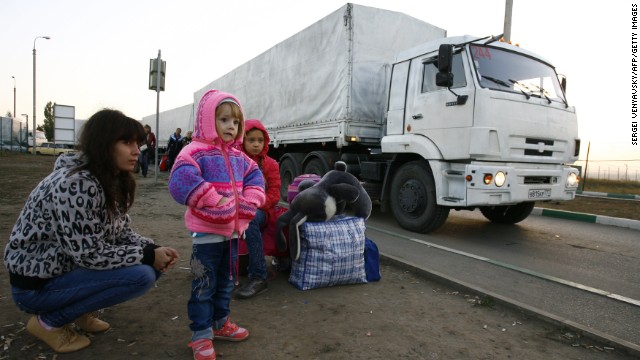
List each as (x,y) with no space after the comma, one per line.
(153,74)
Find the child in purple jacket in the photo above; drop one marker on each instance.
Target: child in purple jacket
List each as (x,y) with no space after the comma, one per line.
(222,188)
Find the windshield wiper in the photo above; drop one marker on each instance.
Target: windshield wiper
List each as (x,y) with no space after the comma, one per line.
(542,92)
(497,81)
(516,82)
(505,84)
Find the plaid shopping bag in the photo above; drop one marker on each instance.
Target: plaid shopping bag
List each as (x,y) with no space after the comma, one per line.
(331,253)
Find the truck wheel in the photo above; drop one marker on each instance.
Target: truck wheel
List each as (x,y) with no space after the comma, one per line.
(413,199)
(316,166)
(508,214)
(287,174)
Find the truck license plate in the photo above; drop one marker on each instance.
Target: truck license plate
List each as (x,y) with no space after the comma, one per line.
(540,194)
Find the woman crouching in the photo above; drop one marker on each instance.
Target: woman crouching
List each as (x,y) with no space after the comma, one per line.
(71,251)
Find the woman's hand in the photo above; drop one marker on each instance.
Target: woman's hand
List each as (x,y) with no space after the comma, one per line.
(165,257)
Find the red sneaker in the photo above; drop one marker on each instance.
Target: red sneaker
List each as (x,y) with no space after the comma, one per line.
(203,349)
(230,332)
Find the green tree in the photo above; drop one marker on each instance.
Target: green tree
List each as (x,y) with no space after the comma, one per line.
(48,121)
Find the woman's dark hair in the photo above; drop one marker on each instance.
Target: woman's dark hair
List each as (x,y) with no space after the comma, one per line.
(98,137)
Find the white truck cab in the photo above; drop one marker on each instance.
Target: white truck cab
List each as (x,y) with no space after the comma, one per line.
(493,124)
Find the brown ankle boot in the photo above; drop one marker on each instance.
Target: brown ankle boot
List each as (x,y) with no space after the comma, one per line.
(90,323)
(62,340)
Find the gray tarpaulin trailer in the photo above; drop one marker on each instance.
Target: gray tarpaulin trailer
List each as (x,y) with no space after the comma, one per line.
(329,81)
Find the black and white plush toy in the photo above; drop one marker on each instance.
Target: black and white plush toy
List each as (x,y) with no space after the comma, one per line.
(336,192)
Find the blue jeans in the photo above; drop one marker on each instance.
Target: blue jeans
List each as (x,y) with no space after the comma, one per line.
(213,267)
(67,297)
(257,268)
(143,159)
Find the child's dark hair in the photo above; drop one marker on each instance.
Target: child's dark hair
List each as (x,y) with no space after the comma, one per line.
(98,137)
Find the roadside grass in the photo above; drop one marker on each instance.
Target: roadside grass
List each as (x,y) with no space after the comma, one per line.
(611,186)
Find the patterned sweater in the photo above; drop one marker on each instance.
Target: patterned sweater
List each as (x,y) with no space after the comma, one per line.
(209,169)
(64,225)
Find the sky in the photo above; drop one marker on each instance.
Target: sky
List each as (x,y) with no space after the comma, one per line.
(99,51)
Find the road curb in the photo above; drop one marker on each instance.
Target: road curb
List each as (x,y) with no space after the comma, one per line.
(614,196)
(615,342)
(590,218)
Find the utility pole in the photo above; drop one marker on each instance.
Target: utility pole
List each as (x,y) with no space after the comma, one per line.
(34,91)
(14,96)
(157,69)
(586,164)
(508,9)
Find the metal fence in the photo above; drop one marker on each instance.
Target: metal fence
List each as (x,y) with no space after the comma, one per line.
(619,170)
(13,135)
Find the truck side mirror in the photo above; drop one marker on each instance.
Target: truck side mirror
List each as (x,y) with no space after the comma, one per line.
(444,77)
(563,82)
(445,56)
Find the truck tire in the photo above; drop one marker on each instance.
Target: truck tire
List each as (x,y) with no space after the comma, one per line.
(508,214)
(316,166)
(287,174)
(413,199)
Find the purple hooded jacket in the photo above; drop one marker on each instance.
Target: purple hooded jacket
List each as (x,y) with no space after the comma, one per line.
(209,169)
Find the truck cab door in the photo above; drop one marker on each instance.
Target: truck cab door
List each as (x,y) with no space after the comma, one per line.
(397,98)
(433,110)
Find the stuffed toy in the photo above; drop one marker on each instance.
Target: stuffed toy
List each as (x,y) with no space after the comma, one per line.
(336,192)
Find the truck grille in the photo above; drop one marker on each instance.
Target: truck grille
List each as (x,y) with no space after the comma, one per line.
(540,145)
(537,179)
(539,149)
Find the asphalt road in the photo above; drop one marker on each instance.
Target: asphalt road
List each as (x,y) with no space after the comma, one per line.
(580,274)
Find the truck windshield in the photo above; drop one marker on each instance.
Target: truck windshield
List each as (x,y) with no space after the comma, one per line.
(508,71)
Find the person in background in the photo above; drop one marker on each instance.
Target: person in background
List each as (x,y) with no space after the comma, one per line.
(186,140)
(147,148)
(256,141)
(151,143)
(222,189)
(72,251)
(173,148)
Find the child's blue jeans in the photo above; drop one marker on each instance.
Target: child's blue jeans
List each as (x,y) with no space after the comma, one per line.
(257,268)
(67,297)
(213,267)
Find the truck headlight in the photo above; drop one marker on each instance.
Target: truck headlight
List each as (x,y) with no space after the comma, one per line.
(572,180)
(500,179)
(487,179)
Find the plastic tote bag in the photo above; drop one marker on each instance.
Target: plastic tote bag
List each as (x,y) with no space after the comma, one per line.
(371,260)
(331,253)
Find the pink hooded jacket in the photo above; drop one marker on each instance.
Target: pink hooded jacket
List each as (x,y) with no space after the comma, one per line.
(209,169)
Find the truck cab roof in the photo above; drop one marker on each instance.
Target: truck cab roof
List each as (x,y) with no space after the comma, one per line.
(432,46)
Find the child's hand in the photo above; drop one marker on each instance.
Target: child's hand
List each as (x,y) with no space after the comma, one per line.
(223,201)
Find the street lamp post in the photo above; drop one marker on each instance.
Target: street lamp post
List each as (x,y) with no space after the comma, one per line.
(14,96)
(34,89)
(27,133)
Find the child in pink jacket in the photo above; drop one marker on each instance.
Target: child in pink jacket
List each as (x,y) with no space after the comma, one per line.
(222,188)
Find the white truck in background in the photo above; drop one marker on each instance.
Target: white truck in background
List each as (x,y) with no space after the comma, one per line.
(428,123)
(40,138)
